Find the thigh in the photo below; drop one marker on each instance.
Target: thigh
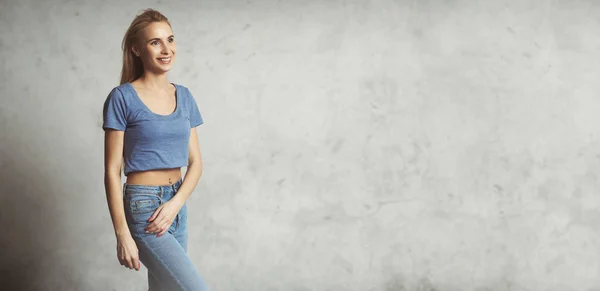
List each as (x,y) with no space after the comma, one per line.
(180,232)
(169,264)
(153,283)
(164,256)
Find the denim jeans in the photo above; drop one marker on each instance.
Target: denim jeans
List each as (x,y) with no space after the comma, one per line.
(165,257)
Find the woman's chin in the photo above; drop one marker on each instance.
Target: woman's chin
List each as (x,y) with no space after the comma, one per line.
(163,68)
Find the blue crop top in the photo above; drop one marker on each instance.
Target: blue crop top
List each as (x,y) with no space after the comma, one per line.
(151,141)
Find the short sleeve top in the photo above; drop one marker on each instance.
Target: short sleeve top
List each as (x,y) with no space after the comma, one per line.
(151,141)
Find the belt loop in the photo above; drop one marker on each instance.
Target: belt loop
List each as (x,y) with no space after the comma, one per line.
(161,191)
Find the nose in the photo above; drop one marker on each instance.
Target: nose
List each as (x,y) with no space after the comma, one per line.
(165,48)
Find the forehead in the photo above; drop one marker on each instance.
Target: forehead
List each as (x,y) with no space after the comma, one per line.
(156,30)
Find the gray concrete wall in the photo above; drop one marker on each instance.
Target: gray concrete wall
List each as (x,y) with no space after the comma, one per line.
(347,145)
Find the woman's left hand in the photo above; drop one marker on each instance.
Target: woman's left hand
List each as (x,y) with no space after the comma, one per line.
(163,217)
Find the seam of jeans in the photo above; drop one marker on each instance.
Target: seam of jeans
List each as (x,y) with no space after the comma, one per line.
(156,281)
(133,193)
(151,250)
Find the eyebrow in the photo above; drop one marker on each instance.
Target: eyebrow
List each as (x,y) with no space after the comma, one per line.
(156,38)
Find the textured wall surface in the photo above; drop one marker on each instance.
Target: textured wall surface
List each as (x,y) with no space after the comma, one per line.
(348,145)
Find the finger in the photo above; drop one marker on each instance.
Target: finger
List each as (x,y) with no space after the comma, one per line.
(155,214)
(121,258)
(137,264)
(149,228)
(164,227)
(132,263)
(158,224)
(154,227)
(158,229)
(163,231)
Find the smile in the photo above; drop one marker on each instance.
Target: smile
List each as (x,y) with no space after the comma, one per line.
(165,60)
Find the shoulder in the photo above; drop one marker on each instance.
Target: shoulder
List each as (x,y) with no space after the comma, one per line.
(118,92)
(182,88)
(119,96)
(121,93)
(185,92)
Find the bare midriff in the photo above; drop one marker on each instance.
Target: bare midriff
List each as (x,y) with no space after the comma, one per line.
(162,177)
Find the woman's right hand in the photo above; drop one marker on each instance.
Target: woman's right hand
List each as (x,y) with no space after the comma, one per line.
(127,252)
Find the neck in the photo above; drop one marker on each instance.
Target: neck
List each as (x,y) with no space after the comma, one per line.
(151,80)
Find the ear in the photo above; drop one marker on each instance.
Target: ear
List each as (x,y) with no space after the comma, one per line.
(135,51)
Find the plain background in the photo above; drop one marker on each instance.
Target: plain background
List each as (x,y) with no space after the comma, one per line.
(347,145)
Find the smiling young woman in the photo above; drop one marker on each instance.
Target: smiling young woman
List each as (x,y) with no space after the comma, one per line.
(150,128)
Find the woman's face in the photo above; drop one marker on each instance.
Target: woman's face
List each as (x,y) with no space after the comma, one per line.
(156,47)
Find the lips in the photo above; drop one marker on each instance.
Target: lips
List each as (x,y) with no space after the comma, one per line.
(165,60)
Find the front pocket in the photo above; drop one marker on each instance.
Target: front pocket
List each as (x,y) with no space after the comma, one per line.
(143,205)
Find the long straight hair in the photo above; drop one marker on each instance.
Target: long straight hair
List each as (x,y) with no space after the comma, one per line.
(132,65)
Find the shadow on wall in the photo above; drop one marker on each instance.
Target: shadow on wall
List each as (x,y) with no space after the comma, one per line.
(29,219)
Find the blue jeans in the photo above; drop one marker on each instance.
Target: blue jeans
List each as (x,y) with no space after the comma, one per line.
(169,267)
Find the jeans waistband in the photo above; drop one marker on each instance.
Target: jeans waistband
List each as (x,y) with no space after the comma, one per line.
(149,188)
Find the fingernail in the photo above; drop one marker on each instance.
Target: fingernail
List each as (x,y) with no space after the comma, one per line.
(147,231)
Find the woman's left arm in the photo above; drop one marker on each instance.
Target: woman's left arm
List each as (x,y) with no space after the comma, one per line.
(161,220)
(193,173)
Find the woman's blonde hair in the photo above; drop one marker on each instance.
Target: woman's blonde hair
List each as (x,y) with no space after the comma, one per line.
(132,65)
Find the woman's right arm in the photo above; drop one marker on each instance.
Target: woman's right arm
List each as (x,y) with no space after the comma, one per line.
(127,251)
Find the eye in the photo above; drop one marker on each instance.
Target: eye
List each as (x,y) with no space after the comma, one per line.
(154,42)
(171,40)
